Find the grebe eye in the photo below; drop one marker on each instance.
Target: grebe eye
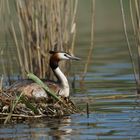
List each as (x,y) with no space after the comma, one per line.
(65,54)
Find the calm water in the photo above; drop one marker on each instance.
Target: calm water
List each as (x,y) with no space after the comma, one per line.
(109,86)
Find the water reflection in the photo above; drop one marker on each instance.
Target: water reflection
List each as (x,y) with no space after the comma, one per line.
(54,129)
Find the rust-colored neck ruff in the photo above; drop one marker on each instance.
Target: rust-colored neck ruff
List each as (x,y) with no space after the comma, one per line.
(54,61)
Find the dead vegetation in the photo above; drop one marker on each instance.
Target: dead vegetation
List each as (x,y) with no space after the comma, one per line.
(43,26)
(14,105)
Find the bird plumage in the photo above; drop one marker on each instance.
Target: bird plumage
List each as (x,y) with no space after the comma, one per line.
(61,87)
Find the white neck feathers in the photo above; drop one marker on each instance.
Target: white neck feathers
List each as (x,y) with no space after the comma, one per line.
(63,82)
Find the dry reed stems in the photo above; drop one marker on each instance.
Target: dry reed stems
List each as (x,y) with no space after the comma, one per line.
(1,83)
(135,33)
(132,16)
(137,7)
(92,40)
(6,65)
(135,18)
(128,42)
(42,26)
(12,109)
(73,26)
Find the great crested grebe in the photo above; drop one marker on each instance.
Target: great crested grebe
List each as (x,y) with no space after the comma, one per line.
(61,87)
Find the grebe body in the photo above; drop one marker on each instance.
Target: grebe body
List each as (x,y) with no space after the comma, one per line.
(60,87)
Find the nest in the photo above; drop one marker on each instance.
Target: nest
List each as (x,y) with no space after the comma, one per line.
(16,106)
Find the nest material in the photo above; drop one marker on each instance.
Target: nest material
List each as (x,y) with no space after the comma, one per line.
(17,106)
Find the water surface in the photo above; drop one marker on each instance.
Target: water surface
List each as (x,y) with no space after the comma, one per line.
(109,86)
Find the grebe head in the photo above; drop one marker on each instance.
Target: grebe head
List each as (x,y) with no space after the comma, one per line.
(58,56)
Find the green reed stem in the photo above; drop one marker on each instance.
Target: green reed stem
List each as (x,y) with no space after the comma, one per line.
(12,108)
(39,82)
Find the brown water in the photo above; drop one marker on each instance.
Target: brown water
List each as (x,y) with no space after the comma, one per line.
(109,86)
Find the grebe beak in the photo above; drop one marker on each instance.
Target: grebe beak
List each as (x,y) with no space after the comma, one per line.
(74,58)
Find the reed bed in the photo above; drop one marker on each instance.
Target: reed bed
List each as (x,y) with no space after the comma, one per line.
(42,26)
(37,28)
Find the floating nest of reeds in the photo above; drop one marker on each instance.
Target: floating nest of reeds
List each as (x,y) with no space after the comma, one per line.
(16,106)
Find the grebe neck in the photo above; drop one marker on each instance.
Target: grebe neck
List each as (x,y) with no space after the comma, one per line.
(54,60)
(63,82)
(58,73)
